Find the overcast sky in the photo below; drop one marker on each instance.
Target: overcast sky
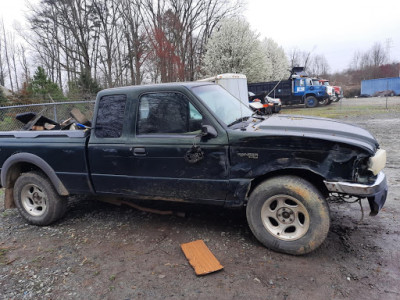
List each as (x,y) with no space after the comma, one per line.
(336,28)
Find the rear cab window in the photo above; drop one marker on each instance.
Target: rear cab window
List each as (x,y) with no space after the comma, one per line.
(110,116)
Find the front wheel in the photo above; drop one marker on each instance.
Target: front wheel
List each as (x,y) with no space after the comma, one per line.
(289,215)
(37,200)
(311,102)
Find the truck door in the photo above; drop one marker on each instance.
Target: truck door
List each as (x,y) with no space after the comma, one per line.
(145,158)
(299,87)
(167,129)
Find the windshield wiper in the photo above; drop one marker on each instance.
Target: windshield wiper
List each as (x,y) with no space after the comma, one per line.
(239,120)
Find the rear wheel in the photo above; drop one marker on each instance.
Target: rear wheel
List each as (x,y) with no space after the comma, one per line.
(337,98)
(324,102)
(311,102)
(37,200)
(288,214)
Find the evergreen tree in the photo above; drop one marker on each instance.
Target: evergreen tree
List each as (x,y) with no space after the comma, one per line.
(42,87)
(3,98)
(85,88)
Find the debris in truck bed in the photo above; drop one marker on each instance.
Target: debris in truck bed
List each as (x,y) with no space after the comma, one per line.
(79,117)
(201,258)
(27,117)
(35,121)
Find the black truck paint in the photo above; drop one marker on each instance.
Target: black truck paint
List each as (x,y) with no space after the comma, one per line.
(141,135)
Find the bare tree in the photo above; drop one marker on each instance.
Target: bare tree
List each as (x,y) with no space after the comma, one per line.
(318,67)
(136,40)
(118,41)
(7,57)
(378,55)
(23,61)
(2,61)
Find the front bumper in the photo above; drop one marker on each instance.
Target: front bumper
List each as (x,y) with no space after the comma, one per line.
(376,192)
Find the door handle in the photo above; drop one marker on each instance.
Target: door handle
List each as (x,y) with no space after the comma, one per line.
(139,152)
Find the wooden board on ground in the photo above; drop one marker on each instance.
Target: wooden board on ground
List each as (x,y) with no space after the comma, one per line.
(201,258)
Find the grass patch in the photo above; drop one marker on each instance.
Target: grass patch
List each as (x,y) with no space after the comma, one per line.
(337,111)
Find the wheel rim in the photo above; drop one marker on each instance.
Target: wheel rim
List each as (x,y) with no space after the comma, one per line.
(285,217)
(34,200)
(311,102)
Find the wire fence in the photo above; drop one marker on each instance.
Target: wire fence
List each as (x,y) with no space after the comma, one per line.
(57,111)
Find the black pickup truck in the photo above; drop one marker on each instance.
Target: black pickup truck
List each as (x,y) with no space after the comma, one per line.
(194,142)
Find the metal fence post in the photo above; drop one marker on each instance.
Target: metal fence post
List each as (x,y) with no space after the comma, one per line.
(387,89)
(55,112)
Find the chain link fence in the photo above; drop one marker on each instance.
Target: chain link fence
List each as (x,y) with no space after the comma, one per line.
(57,111)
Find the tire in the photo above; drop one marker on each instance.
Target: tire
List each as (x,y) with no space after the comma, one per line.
(288,214)
(337,98)
(324,102)
(311,102)
(37,200)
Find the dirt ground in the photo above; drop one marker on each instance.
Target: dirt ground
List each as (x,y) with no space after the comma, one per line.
(101,251)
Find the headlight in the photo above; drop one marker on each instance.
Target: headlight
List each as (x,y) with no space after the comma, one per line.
(377,162)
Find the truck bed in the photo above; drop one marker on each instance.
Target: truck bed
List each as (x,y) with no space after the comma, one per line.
(63,150)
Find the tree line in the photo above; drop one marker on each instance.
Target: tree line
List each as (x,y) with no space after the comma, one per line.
(81,46)
(372,63)
(89,43)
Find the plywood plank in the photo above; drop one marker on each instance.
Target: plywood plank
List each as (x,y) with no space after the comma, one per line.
(201,258)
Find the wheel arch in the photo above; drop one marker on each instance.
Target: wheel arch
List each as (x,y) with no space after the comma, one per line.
(24,162)
(311,94)
(310,176)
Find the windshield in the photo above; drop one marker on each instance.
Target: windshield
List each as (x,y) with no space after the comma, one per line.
(315,82)
(326,83)
(224,105)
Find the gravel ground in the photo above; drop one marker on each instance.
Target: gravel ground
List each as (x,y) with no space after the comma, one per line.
(101,251)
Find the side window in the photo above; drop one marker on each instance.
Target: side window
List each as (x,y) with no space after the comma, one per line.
(110,116)
(167,113)
(194,113)
(301,83)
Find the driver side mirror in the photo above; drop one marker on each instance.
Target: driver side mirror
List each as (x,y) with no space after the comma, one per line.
(208,131)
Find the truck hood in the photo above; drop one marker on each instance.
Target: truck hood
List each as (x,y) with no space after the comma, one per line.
(318,128)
